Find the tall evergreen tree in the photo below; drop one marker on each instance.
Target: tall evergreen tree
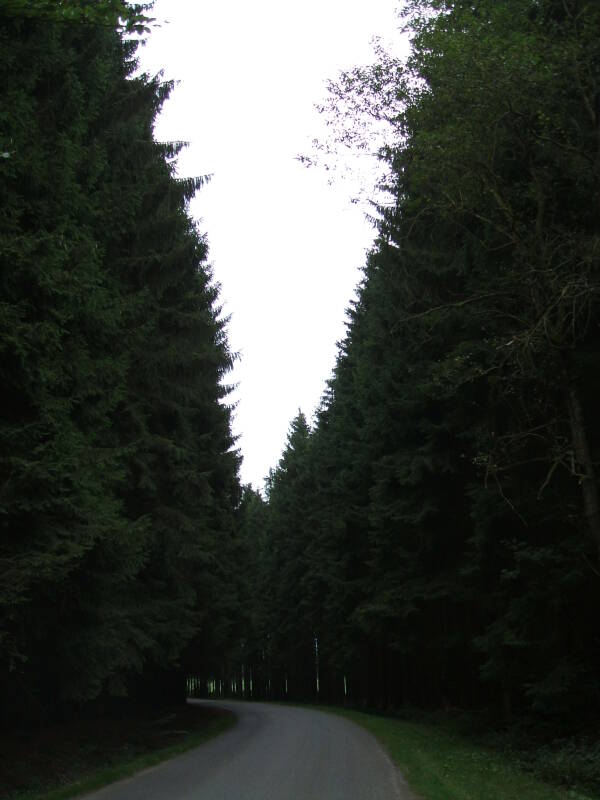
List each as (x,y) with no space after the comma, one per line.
(452,467)
(119,477)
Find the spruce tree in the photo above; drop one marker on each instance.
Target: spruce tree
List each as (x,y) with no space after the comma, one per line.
(119,472)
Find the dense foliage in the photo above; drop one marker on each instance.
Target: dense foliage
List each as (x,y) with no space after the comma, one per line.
(434,539)
(118,477)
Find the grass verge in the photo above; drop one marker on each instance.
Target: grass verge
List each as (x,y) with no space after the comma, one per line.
(77,762)
(439,764)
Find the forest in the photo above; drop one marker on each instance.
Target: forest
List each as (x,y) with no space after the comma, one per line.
(118,470)
(431,538)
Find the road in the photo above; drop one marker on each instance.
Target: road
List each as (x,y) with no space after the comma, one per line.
(273,753)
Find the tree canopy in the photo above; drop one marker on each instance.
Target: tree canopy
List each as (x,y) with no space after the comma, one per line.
(437,529)
(431,538)
(118,467)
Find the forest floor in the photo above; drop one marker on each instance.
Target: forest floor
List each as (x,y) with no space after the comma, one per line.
(66,760)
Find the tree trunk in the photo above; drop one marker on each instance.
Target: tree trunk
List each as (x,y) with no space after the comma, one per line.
(581,449)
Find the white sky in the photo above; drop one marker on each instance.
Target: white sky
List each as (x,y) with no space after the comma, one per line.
(285,246)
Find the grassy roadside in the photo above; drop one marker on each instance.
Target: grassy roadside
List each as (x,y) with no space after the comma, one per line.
(439,764)
(79,762)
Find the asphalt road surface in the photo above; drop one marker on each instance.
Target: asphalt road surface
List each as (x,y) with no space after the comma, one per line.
(273,753)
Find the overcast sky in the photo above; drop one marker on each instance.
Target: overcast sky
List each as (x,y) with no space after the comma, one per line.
(285,245)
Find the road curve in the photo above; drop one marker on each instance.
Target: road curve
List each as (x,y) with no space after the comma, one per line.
(273,753)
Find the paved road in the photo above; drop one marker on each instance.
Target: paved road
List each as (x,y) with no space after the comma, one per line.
(273,753)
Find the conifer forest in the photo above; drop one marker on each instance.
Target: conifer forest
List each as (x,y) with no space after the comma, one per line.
(431,538)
